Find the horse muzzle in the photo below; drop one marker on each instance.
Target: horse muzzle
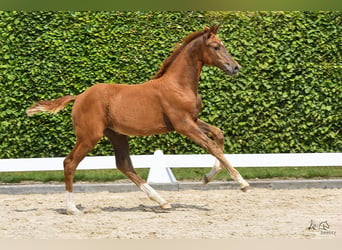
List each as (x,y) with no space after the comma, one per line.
(231,69)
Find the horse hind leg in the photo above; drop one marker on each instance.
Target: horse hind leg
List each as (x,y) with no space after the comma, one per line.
(80,150)
(124,164)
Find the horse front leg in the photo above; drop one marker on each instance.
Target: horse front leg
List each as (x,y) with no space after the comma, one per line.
(218,137)
(192,130)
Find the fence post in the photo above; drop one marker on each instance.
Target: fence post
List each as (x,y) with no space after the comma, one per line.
(159,171)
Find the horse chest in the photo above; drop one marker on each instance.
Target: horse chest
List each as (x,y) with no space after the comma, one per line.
(183,104)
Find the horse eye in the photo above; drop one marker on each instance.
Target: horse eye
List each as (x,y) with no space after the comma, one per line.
(217,48)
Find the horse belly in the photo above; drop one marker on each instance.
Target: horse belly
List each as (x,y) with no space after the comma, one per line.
(137,117)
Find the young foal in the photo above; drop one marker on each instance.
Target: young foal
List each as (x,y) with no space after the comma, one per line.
(168,102)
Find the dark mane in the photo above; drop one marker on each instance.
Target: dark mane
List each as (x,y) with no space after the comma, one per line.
(168,61)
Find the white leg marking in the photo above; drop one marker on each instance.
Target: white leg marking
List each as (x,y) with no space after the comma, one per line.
(242,181)
(71,208)
(216,168)
(153,195)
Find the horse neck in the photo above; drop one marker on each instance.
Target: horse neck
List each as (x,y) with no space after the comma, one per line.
(185,70)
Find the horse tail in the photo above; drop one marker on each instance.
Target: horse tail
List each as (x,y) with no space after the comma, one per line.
(50,106)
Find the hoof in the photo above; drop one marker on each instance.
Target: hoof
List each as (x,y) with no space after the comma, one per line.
(166,206)
(246,189)
(73,211)
(205,180)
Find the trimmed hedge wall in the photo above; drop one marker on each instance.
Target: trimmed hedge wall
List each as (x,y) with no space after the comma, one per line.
(287,97)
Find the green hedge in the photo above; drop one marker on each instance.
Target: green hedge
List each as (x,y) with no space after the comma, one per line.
(287,97)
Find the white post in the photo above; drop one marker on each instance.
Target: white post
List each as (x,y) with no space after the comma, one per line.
(159,171)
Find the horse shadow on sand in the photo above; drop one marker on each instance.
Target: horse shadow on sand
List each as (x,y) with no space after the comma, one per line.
(140,208)
(156,209)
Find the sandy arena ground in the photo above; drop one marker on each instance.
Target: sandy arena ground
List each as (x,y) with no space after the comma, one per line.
(214,214)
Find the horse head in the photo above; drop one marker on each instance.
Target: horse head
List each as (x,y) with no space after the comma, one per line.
(216,54)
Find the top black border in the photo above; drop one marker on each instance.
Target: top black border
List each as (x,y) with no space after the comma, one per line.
(171,5)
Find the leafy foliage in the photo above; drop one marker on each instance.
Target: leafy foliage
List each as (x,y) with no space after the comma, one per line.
(287,97)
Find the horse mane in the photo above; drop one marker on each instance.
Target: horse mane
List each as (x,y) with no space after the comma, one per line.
(168,61)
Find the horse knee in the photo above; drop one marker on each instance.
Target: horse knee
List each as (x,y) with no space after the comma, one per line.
(220,136)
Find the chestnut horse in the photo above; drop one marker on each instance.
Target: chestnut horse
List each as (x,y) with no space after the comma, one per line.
(168,102)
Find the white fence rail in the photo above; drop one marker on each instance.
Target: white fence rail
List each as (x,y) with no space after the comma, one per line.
(160,165)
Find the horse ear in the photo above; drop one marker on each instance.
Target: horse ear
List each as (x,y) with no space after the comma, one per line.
(207,35)
(215,28)
(207,32)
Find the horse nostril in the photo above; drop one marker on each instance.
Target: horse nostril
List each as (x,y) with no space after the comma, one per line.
(236,68)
